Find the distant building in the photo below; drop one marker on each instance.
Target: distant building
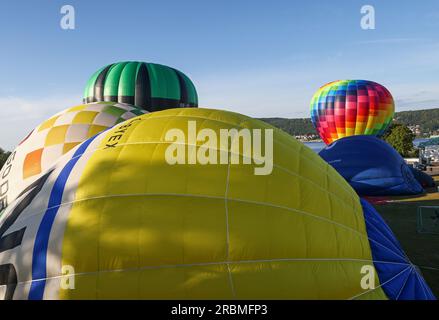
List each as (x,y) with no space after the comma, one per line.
(416,129)
(307,137)
(431,153)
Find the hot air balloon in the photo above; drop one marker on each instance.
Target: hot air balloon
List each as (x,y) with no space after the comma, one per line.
(39,151)
(147,85)
(351,107)
(402,280)
(126,224)
(371,166)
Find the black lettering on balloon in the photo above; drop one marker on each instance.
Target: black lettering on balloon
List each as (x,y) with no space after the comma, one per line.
(8,274)
(13,239)
(8,277)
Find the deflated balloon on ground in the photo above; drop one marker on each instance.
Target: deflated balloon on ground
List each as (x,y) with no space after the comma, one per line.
(371,166)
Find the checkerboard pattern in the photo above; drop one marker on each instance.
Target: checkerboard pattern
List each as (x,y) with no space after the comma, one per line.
(351,107)
(66,130)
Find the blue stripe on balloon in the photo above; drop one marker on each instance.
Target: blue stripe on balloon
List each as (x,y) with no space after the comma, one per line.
(39,260)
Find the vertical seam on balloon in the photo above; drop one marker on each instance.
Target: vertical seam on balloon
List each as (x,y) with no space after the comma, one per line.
(369,121)
(333,128)
(331,125)
(117,79)
(346,108)
(300,204)
(90,97)
(100,81)
(421,282)
(393,250)
(402,257)
(366,126)
(139,97)
(98,245)
(331,209)
(331,205)
(366,248)
(395,246)
(139,231)
(376,221)
(39,256)
(232,286)
(356,111)
(148,83)
(120,94)
(402,288)
(226,207)
(229,155)
(359,121)
(323,112)
(184,100)
(119,151)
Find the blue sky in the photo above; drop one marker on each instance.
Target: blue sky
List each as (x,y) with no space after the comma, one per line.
(260,58)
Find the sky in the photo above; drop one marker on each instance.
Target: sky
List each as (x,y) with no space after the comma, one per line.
(259,58)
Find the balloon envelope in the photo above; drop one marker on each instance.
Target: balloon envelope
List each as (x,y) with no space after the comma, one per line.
(399,277)
(131,226)
(147,85)
(371,166)
(351,107)
(423,178)
(40,150)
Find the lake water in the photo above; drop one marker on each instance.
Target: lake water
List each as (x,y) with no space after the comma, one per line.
(317,146)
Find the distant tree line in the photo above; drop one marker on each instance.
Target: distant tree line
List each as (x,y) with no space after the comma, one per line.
(398,135)
(295,127)
(428,120)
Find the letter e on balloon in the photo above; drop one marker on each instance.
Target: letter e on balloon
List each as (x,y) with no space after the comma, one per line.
(68,19)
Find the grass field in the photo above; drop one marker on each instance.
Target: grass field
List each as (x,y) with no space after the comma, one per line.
(423,249)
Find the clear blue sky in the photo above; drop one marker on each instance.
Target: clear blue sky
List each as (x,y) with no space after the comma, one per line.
(260,58)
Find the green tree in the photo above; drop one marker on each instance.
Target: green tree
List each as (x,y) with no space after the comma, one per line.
(3,157)
(401,138)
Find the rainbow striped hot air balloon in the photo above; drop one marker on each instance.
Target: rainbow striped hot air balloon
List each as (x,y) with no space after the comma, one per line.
(351,107)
